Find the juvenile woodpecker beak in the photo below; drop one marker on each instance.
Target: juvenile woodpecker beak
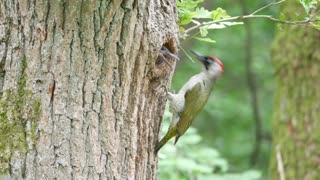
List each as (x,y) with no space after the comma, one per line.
(199,56)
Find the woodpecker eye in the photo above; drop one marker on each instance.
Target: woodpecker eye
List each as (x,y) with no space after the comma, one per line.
(208,60)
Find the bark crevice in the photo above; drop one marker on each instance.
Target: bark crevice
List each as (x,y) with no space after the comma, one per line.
(93,67)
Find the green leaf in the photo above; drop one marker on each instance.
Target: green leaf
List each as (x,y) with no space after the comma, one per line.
(196,22)
(185,164)
(203,31)
(188,4)
(203,169)
(215,26)
(248,175)
(220,164)
(316,25)
(185,18)
(205,154)
(221,25)
(251,174)
(219,13)
(187,11)
(188,165)
(308,4)
(202,13)
(232,23)
(209,40)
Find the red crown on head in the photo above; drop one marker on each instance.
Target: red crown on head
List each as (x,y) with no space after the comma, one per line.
(218,61)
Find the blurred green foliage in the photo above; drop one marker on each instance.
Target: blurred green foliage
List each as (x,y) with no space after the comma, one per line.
(227,120)
(308,4)
(226,125)
(190,159)
(190,12)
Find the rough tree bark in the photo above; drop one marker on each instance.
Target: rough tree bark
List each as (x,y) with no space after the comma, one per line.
(296,127)
(82,89)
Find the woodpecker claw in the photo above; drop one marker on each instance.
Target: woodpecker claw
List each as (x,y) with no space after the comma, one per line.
(171,91)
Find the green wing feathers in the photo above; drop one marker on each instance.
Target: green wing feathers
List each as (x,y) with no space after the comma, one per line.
(190,111)
(195,99)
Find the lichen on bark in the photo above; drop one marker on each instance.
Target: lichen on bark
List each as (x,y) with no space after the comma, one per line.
(19,113)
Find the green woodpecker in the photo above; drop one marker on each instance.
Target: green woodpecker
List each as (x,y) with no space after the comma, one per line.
(192,97)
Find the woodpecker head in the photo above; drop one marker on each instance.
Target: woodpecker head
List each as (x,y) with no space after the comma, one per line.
(213,67)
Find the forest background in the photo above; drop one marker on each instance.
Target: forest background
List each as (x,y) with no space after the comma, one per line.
(235,126)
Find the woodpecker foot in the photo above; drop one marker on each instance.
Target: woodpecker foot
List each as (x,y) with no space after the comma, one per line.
(170,94)
(172,91)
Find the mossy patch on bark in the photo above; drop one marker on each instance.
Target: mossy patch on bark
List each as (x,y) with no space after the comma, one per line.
(296,107)
(19,109)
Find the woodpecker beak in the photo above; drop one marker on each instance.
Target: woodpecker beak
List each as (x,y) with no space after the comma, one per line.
(199,56)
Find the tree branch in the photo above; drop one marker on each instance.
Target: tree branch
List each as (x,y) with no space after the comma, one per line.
(268,5)
(253,15)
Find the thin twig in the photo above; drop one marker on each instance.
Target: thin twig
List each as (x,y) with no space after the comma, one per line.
(253,15)
(280,163)
(248,17)
(190,37)
(268,5)
(186,54)
(315,14)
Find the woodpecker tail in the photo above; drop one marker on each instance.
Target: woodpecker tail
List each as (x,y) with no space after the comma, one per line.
(171,132)
(176,140)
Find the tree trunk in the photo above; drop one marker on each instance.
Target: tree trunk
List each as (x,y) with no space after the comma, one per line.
(82,89)
(296,127)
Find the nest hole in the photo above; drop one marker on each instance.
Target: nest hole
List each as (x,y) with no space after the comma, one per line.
(167,53)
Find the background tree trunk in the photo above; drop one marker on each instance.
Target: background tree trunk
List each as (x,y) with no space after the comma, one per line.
(296,127)
(82,90)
